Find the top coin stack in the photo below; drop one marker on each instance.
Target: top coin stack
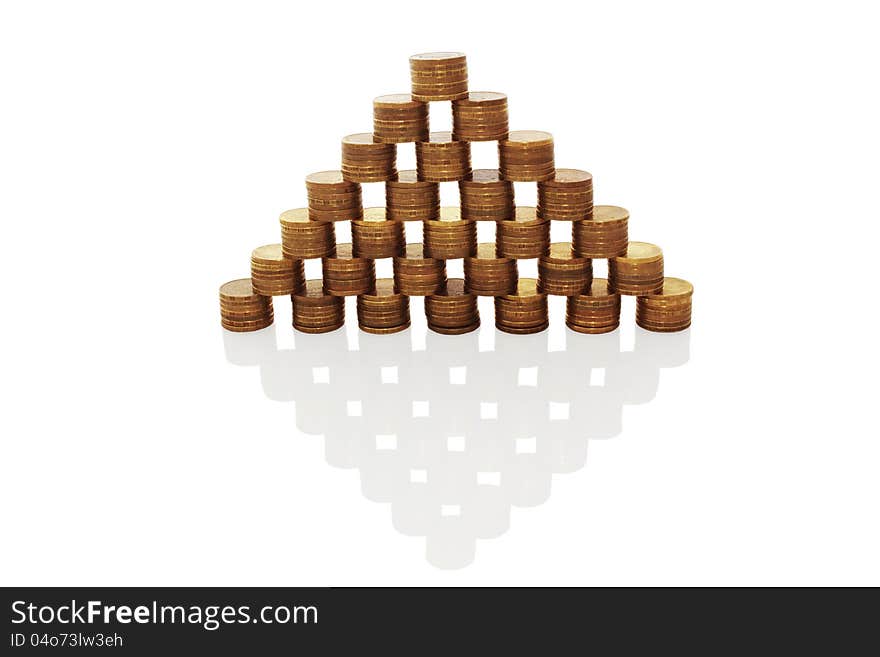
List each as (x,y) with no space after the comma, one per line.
(491,268)
(439,76)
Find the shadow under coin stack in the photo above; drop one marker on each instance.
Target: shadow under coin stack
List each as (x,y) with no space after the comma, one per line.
(490,268)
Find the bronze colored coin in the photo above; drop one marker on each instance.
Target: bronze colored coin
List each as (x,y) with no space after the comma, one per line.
(561,253)
(414,251)
(365,139)
(239,290)
(433,59)
(479,100)
(487,251)
(454,292)
(400,124)
(365,160)
(384,289)
(458,324)
(313,294)
(673,288)
(438,76)
(374,214)
(246,329)
(443,159)
(526,155)
(345,252)
(526,288)
(657,329)
(481,116)
(261,308)
(408,179)
(600,289)
(292,219)
(610,213)
(566,179)
(640,253)
(332,179)
(324,329)
(246,320)
(398,103)
(385,330)
(521,331)
(524,139)
(327,216)
(636,290)
(454,331)
(592,331)
(272,256)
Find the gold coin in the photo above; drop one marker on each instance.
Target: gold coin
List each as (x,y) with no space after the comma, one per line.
(333,178)
(454,331)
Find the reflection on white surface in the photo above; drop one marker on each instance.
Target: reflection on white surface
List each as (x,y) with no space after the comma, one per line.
(453,436)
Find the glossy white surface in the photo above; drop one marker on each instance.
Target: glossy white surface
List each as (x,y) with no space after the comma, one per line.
(144,154)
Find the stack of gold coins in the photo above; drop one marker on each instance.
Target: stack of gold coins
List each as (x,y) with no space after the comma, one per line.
(488,275)
(417,275)
(314,311)
(439,76)
(486,196)
(365,160)
(526,155)
(482,116)
(383,309)
(375,236)
(666,311)
(303,238)
(273,274)
(409,199)
(346,275)
(242,309)
(638,272)
(563,273)
(450,236)
(524,311)
(524,236)
(453,310)
(442,159)
(597,310)
(606,235)
(332,198)
(567,196)
(397,119)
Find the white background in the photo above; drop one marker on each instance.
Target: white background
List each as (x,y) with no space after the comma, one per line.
(148,147)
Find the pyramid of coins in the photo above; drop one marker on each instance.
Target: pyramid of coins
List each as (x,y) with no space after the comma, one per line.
(490,269)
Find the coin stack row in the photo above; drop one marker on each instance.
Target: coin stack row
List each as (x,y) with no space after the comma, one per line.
(450,233)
